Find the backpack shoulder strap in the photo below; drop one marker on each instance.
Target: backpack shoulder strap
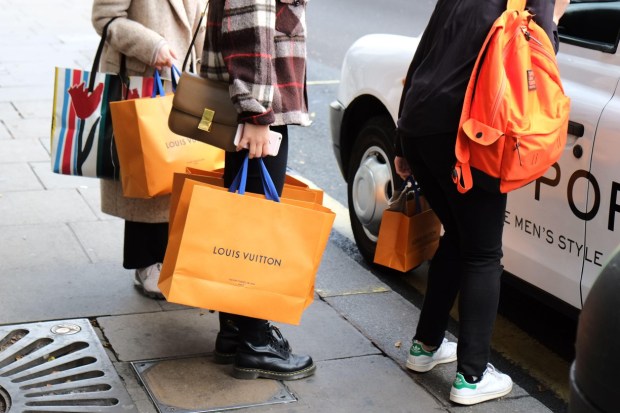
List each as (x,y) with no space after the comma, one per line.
(461,174)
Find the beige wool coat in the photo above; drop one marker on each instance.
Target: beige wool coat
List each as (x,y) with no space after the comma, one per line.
(139,31)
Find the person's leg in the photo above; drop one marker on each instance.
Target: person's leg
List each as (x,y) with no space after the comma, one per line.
(471,251)
(262,351)
(431,163)
(429,348)
(144,244)
(144,249)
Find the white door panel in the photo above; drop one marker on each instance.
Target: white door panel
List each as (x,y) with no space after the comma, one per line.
(544,235)
(603,213)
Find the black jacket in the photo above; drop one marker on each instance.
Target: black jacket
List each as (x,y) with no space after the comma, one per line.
(439,72)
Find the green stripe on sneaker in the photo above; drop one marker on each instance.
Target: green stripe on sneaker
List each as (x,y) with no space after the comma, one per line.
(416,350)
(461,383)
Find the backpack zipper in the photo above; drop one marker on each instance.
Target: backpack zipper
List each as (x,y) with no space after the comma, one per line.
(502,86)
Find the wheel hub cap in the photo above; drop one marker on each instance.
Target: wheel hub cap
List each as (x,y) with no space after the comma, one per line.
(370,190)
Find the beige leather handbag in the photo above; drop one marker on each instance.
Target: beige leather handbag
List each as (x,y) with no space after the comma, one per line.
(202,109)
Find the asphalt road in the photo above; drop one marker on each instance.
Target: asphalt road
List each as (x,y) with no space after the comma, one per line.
(333,26)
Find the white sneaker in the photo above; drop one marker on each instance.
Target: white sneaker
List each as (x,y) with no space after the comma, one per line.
(421,360)
(146,279)
(493,385)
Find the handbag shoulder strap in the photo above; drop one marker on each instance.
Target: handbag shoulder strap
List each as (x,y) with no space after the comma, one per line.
(191,45)
(97,61)
(95,68)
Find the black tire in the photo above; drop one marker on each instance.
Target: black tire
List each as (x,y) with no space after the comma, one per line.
(370,182)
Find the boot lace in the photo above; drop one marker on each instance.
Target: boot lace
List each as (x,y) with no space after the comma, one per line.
(277,339)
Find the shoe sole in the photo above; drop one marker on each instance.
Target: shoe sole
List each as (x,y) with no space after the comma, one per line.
(156,296)
(423,368)
(474,399)
(251,374)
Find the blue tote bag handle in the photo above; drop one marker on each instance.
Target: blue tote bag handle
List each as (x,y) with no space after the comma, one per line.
(240,181)
(158,84)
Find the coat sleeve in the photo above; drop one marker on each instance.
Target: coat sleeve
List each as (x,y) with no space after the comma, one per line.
(543,15)
(247,47)
(126,36)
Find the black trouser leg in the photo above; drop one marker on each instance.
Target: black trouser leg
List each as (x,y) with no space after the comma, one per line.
(467,261)
(145,244)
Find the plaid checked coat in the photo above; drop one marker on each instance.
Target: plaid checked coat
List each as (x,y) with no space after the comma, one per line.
(259,48)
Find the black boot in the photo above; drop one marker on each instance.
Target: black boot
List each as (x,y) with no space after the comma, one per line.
(226,341)
(267,354)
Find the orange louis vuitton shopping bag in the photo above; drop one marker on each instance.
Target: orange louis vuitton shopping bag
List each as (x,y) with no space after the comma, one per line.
(244,253)
(409,232)
(149,152)
(293,187)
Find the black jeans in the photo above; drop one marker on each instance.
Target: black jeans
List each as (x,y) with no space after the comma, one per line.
(276,165)
(467,261)
(145,244)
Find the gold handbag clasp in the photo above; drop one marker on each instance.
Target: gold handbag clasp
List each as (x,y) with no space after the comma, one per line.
(207,120)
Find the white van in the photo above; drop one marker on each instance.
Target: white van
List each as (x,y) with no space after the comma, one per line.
(559,230)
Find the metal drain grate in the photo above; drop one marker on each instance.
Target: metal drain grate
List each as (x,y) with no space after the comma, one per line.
(58,367)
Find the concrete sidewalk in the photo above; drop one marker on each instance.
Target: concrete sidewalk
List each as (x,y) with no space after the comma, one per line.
(75,336)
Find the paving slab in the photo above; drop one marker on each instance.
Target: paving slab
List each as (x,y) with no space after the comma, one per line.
(13,93)
(161,335)
(22,150)
(28,128)
(18,177)
(46,143)
(101,240)
(386,317)
(52,180)
(58,291)
(325,335)
(322,334)
(515,405)
(4,131)
(390,320)
(365,384)
(92,196)
(44,207)
(7,109)
(39,245)
(34,109)
(335,276)
(24,73)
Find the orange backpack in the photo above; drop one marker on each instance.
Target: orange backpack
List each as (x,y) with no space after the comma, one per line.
(514,120)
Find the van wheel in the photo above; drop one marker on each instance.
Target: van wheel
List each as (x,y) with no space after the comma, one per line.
(370,182)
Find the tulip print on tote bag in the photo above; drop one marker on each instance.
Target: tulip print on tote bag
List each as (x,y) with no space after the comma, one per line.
(82,137)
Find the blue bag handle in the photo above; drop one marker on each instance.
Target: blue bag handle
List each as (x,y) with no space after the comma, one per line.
(239,182)
(241,179)
(268,186)
(158,86)
(175,74)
